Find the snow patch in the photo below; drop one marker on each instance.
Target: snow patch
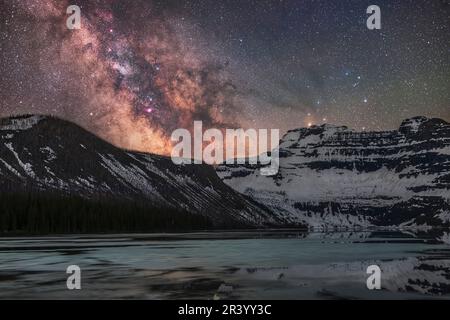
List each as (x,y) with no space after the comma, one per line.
(21,123)
(27,167)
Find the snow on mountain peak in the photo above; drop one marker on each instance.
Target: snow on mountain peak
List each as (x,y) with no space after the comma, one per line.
(412,125)
(304,136)
(20,122)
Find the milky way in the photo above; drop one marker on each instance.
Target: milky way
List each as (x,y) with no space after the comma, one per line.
(137,70)
(133,80)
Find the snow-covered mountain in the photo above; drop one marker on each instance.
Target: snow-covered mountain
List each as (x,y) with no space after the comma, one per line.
(329,176)
(41,154)
(334,177)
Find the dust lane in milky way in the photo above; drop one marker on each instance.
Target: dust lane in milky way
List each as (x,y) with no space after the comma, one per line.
(134,80)
(137,70)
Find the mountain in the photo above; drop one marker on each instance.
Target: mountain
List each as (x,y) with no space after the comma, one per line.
(42,155)
(330,177)
(334,177)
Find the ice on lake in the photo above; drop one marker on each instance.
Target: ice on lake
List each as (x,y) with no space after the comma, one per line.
(227,265)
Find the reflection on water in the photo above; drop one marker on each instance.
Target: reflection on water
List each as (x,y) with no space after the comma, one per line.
(228,265)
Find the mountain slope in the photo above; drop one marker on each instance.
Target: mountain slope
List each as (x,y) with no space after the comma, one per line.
(47,155)
(334,177)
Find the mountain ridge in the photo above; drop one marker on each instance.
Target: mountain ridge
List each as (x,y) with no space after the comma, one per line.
(46,154)
(334,177)
(330,177)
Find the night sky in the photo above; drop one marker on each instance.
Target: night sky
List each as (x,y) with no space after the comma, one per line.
(137,70)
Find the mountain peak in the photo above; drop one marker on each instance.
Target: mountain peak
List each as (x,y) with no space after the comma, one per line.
(48,156)
(408,126)
(322,131)
(333,177)
(412,125)
(416,124)
(23,122)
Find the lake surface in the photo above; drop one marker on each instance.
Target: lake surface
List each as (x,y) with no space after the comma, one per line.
(227,265)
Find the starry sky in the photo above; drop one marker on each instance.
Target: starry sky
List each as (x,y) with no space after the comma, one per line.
(137,70)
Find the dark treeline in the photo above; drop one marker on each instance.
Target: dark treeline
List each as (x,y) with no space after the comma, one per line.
(49,214)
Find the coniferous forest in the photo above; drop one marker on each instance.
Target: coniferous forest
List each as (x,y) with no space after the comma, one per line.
(31,213)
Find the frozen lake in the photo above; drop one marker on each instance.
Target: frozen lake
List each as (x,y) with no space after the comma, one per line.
(227,265)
